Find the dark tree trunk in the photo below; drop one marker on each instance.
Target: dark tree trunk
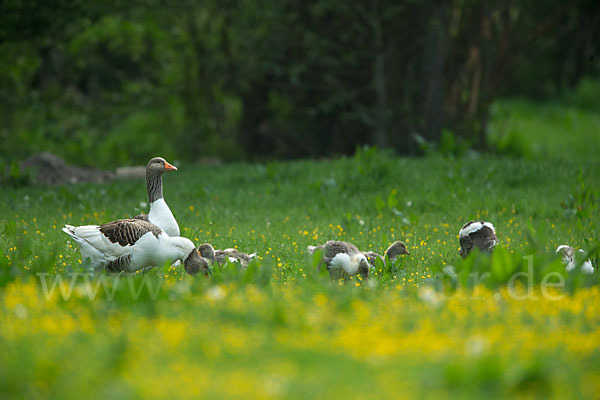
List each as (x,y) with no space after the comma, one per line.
(379,80)
(481,101)
(433,65)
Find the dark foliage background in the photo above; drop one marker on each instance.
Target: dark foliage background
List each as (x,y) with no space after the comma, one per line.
(102,83)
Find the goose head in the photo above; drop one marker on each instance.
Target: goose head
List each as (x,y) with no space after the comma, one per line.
(207,251)
(192,261)
(158,166)
(363,265)
(312,249)
(194,264)
(397,248)
(154,170)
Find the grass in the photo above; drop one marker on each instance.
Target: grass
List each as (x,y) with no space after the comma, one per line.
(551,130)
(282,330)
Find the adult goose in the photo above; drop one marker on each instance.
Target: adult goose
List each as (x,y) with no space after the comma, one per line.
(569,259)
(393,251)
(342,259)
(128,245)
(221,257)
(160,214)
(477,234)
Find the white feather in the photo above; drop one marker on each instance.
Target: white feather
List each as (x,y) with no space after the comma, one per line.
(474,227)
(489,225)
(88,251)
(348,263)
(91,235)
(341,261)
(587,267)
(148,250)
(160,215)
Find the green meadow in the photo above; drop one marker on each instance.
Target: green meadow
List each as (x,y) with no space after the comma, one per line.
(431,325)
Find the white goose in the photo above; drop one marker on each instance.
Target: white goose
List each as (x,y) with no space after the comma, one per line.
(133,244)
(342,259)
(207,251)
(569,259)
(160,214)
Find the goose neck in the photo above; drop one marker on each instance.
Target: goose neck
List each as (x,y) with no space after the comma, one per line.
(154,185)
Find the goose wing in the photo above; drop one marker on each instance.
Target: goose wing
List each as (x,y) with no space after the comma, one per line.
(113,239)
(126,232)
(332,248)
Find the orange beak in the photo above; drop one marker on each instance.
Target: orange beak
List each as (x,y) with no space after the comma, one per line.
(170,167)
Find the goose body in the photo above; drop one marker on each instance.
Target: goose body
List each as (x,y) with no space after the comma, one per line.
(570,261)
(221,257)
(477,234)
(160,214)
(342,259)
(129,245)
(372,257)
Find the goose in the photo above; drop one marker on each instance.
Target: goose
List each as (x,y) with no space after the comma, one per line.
(393,251)
(569,259)
(397,248)
(128,245)
(208,252)
(342,259)
(477,234)
(160,214)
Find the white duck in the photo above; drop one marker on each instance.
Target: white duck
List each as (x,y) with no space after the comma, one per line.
(160,214)
(568,258)
(207,251)
(342,259)
(133,244)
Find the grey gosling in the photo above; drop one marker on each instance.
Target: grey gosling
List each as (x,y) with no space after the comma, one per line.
(477,234)
(568,254)
(397,248)
(342,259)
(221,257)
